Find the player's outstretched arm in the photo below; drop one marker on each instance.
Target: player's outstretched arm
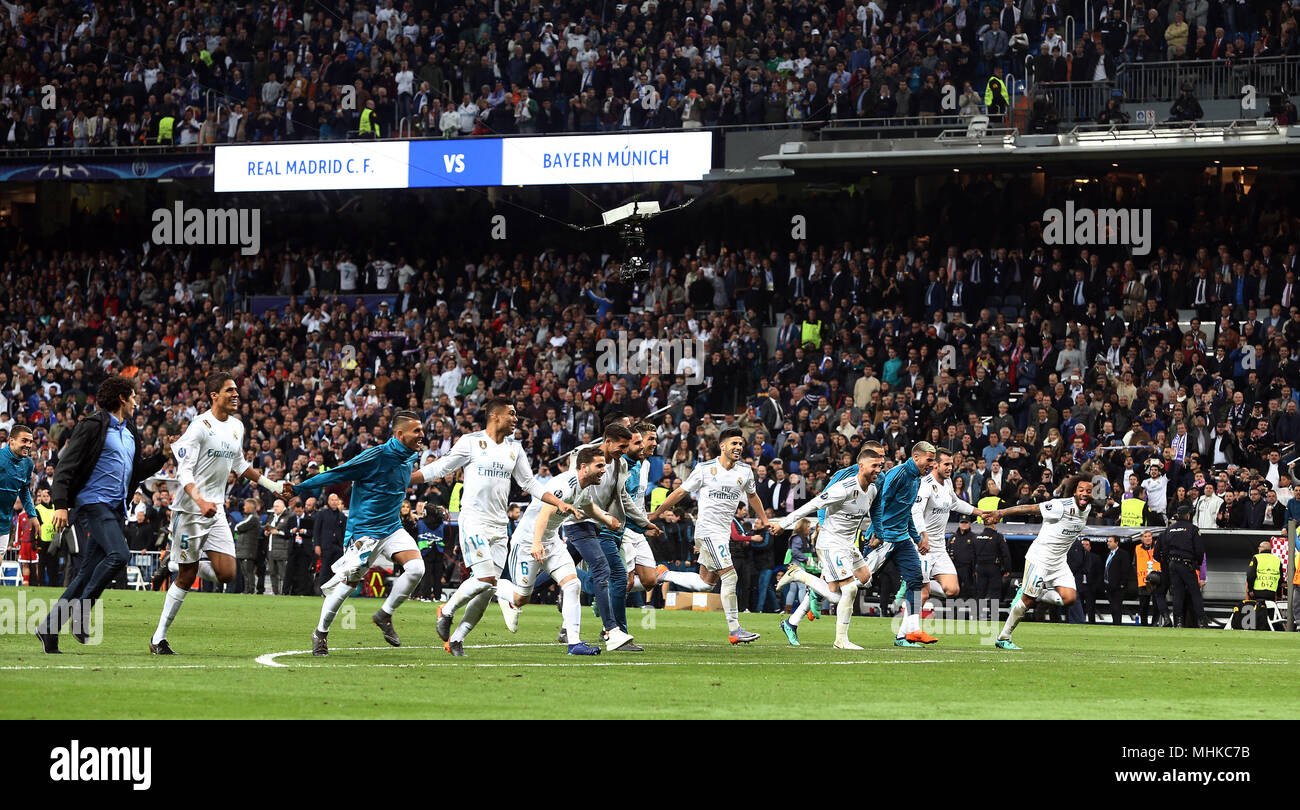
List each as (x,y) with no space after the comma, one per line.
(444,466)
(1014,511)
(349,470)
(277,487)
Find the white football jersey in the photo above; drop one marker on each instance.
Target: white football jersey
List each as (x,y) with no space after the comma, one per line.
(933,503)
(718,492)
(564,486)
(848,508)
(489,467)
(208,452)
(1063,521)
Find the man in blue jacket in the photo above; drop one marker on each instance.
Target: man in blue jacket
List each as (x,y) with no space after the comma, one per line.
(100,467)
(891,521)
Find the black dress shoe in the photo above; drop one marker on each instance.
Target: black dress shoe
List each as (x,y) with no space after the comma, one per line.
(50,641)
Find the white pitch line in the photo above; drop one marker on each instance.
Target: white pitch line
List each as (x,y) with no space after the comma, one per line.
(126,666)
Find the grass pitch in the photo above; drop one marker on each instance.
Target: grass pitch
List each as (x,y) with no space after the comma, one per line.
(248,657)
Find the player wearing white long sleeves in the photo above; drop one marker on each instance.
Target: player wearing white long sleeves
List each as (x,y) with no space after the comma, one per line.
(210,450)
(491,458)
(847,505)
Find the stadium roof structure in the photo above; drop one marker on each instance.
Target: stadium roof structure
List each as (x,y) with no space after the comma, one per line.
(980,147)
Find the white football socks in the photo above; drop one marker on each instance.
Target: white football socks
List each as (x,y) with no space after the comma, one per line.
(844,608)
(1013,618)
(207,573)
(805,605)
(823,590)
(412,573)
(171,605)
(335,595)
(571,610)
(473,613)
(468,589)
(687,581)
(1051,597)
(730,604)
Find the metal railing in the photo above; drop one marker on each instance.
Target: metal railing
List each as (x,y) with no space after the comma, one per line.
(1077,101)
(1209,79)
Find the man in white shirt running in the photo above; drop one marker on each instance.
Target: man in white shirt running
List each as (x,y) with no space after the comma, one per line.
(1047,575)
(847,504)
(720,484)
(211,449)
(491,458)
(536,545)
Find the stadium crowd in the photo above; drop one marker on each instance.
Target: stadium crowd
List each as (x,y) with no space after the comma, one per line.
(1170,379)
(136,72)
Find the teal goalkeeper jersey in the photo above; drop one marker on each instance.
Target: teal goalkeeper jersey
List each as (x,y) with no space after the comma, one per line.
(380,477)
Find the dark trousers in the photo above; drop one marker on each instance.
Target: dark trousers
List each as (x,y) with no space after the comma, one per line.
(1152,604)
(49,566)
(430,586)
(988,587)
(248,575)
(966,578)
(584,540)
(102,531)
(1184,584)
(298,579)
(745,574)
(1088,601)
(328,556)
(1116,598)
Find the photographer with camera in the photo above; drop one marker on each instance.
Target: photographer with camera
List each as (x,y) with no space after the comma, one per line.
(1151,583)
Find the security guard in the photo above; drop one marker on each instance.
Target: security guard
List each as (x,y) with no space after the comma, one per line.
(369,127)
(165,126)
(1133,512)
(1180,555)
(992,564)
(1264,574)
(961,548)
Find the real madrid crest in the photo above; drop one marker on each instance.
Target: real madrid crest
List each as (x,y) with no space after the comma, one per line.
(512,455)
(713,471)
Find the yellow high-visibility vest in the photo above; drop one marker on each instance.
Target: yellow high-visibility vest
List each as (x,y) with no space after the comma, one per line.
(988,503)
(165,125)
(1268,572)
(1130,512)
(368,122)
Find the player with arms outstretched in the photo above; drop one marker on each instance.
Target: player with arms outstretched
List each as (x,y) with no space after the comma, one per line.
(210,450)
(380,477)
(491,458)
(720,484)
(536,546)
(847,505)
(1047,576)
